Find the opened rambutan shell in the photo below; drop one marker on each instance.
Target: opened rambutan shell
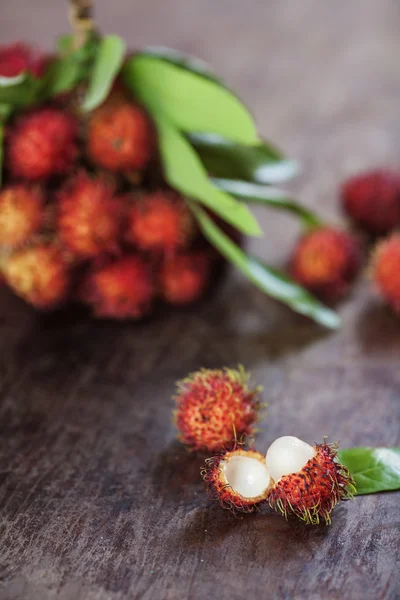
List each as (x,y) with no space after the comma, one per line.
(386,270)
(214,408)
(21,214)
(184,277)
(17,58)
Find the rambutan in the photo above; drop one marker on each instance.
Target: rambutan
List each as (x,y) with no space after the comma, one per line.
(41,144)
(372,200)
(238,480)
(120,137)
(21,214)
(120,289)
(213,407)
(184,277)
(89,216)
(17,58)
(38,274)
(309,481)
(386,270)
(326,261)
(160,221)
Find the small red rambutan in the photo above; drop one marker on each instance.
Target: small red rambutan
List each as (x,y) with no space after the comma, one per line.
(215,406)
(121,289)
(21,214)
(17,58)
(386,269)
(372,200)
(120,137)
(160,221)
(89,216)
(326,261)
(308,481)
(39,275)
(238,480)
(184,277)
(41,144)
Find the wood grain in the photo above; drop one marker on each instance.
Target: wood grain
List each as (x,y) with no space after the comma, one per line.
(97,499)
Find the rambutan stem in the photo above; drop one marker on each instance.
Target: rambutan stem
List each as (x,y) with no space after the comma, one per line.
(80,12)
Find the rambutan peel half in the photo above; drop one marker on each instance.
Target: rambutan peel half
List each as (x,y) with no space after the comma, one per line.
(238,480)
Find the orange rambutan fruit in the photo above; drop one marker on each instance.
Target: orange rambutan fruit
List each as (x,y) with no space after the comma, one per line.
(21,214)
(89,216)
(160,221)
(214,407)
(41,144)
(184,277)
(372,200)
(120,289)
(386,270)
(39,275)
(17,58)
(326,261)
(120,136)
(309,481)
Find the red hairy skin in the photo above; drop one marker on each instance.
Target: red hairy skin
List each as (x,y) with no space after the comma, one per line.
(121,289)
(21,215)
(312,493)
(160,222)
(214,407)
(184,277)
(17,58)
(89,217)
(120,136)
(41,144)
(39,275)
(372,201)
(386,270)
(326,261)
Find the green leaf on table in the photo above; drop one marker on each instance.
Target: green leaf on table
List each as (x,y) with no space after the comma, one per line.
(107,65)
(184,171)
(260,163)
(271,281)
(268,196)
(188,100)
(182,60)
(374,469)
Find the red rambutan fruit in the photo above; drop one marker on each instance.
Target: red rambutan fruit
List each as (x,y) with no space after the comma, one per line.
(17,58)
(89,216)
(213,407)
(308,481)
(21,214)
(41,144)
(372,201)
(386,270)
(184,277)
(120,137)
(160,221)
(121,289)
(326,261)
(238,480)
(39,275)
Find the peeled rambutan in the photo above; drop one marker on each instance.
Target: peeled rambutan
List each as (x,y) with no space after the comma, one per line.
(17,58)
(160,221)
(326,261)
(372,200)
(120,137)
(41,144)
(39,274)
(215,407)
(386,270)
(309,481)
(21,214)
(120,289)
(238,480)
(89,216)
(184,277)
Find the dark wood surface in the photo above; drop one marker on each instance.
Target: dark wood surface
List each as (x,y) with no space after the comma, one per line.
(98,501)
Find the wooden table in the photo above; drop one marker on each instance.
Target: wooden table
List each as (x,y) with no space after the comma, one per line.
(98,500)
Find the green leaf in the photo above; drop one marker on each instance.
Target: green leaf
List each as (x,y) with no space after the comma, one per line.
(182,60)
(62,75)
(19,91)
(107,65)
(5,112)
(64,43)
(1,153)
(271,281)
(188,100)
(260,163)
(269,196)
(184,171)
(374,469)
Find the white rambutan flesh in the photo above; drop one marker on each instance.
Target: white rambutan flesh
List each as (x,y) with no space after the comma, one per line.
(246,476)
(288,455)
